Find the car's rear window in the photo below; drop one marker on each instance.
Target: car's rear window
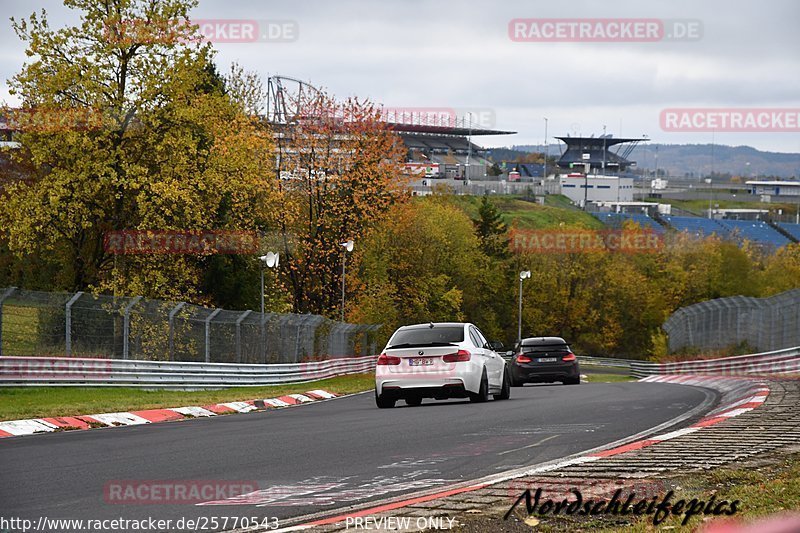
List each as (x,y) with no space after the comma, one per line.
(428,336)
(542,348)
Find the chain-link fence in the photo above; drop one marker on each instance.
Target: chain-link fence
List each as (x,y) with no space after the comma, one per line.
(87,325)
(765,324)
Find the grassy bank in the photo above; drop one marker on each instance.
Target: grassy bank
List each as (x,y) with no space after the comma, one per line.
(604,374)
(37,402)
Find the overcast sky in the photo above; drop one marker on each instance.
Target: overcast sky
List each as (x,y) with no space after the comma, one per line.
(443,54)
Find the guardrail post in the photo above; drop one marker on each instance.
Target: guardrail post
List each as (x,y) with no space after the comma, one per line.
(172,313)
(239,335)
(8,292)
(68,322)
(126,325)
(263,339)
(208,333)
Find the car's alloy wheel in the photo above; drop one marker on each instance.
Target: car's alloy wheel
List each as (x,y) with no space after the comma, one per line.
(505,391)
(383,402)
(483,391)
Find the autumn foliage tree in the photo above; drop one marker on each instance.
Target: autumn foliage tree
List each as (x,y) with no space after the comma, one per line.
(340,172)
(154,138)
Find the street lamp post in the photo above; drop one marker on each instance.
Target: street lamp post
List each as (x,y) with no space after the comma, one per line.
(710,195)
(348,247)
(270,260)
(525,274)
(469,147)
(604,152)
(546,149)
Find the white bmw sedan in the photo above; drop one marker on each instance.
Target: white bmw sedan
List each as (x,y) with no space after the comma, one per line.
(439,360)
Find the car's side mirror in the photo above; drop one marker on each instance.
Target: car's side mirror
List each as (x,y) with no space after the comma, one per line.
(495,346)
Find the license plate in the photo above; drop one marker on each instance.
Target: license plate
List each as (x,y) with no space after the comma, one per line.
(548,359)
(420,361)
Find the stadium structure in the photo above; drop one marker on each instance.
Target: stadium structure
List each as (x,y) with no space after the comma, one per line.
(595,173)
(438,142)
(597,153)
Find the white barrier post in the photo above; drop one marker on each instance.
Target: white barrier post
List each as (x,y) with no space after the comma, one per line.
(208,333)
(68,322)
(172,313)
(239,335)
(126,325)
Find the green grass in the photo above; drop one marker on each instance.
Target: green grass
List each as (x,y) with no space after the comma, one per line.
(599,374)
(557,212)
(698,205)
(36,402)
(20,329)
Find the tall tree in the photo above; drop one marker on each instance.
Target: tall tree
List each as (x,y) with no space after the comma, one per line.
(340,172)
(492,230)
(148,138)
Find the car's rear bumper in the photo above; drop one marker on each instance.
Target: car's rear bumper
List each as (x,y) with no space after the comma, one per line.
(443,391)
(544,373)
(429,382)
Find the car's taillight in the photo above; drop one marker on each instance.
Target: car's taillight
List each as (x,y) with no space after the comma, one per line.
(568,357)
(384,359)
(523,359)
(461,355)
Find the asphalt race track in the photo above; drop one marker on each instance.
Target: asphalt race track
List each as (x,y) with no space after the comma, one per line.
(324,455)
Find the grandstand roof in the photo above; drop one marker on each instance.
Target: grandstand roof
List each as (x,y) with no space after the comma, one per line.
(598,151)
(460,131)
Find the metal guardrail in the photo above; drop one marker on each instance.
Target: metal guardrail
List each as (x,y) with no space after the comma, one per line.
(81,372)
(774,363)
(605,361)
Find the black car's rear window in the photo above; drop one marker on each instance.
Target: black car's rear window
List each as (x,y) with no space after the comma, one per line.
(428,336)
(542,348)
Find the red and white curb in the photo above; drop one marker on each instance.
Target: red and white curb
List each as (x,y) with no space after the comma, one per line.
(13,428)
(739,395)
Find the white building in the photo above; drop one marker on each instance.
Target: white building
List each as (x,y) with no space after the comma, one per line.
(595,188)
(775,188)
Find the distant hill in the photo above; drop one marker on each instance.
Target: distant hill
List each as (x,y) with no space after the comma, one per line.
(695,159)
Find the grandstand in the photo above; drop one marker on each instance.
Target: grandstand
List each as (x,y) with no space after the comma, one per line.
(450,150)
(526,170)
(755,231)
(444,155)
(697,227)
(438,142)
(616,220)
(738,231)
(596,152)
(791,229)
